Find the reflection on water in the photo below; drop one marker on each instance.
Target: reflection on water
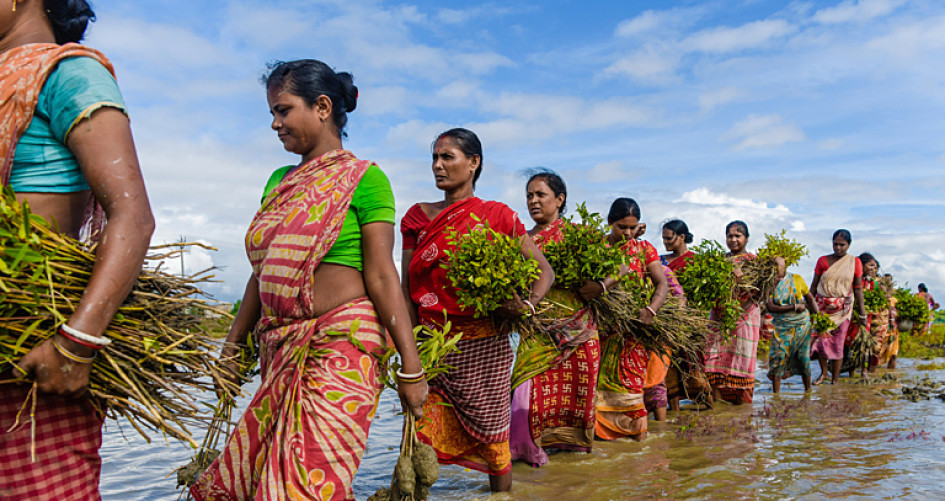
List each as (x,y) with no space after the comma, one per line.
(839,441)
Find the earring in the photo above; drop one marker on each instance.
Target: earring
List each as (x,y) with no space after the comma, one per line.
(14,5)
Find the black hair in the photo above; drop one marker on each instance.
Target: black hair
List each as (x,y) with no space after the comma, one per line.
(311,78)
(69,19)
(923,288)
(621,208)
(844,234)
(553,180)
(866,258)
(468,142)
(737,224)
(678,227)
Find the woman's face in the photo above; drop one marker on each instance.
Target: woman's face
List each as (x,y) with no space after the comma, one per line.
(452,169)
(671,240)
(543,205)
(736,240)
(871,268)
(840,247)
(300,127)
(624,229)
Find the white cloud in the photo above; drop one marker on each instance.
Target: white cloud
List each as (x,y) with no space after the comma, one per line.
(641,24)
(747,36)
(711,99)
(763,131)
(647,66)
(856,11)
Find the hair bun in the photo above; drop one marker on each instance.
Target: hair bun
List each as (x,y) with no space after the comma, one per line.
(349,91)
(689,238)
(69,19)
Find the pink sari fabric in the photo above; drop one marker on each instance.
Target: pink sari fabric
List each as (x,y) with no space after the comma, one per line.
(305,430)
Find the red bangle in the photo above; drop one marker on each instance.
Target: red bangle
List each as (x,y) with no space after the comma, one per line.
(66,335)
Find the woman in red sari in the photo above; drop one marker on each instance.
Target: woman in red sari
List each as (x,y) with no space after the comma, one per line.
(553,405)
(323,289)
(621,411)
(838,289)
(730,365)
(472,431)
(66,148)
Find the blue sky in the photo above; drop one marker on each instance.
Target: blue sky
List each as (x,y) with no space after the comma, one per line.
(806,116)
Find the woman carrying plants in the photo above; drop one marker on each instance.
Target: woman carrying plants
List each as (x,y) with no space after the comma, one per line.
(323,289)
(66,149)
(924,294)
(730,364)
(877,306)
(838,284)
(473,430)
(891,349)
(621,411)
(553,402)
(790,306)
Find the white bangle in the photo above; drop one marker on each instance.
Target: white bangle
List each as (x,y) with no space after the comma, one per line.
(601,282)
(418,375)
(651,310)
(100,341)
(530,306)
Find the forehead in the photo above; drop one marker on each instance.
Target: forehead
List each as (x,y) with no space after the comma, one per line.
(445,143)
(538,184)
(735,231)
(628,221)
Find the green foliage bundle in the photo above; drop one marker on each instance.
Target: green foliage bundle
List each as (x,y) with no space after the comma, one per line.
(911,306)
(159,357)
(433,345)
(875,300)
(862,347)
(822,324)
(709,282)
(760,275)
(487,268)
(583,253)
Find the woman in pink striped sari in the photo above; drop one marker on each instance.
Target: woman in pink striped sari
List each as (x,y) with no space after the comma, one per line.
(323,287)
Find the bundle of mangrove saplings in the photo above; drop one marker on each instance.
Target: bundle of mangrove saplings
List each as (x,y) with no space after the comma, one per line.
(822,324)
(911,307)
(862,347)
(417,468)
(760,275)
(677,329)
(709,282)
(875,300)
(159,358)
(487,268)
(583,253)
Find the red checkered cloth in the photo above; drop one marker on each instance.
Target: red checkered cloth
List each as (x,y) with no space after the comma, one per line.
(68,436)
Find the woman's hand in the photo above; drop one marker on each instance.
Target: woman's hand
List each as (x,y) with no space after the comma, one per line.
(412,397)
(646,316)
(513,308)
(591,290)
(230,369)
(55,373)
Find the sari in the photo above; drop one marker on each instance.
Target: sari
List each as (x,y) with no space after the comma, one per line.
(790,344)
(878,321)
(620,407)
(891,348)
(473,429)
(553,400)
(730,365)
(835,298)
(68,430)
(304,432)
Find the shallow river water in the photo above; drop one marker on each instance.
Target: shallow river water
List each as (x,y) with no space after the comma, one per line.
(846,441)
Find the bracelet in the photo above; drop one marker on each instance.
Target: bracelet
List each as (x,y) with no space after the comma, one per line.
(530,306)
(601,282)
(78,341)
(76,334)
(651,310)
(72,356)
(411,378)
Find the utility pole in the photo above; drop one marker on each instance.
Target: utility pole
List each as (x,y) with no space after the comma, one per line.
(182,240)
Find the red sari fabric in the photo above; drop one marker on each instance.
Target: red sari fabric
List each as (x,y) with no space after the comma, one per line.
(621,411)
(305,430)
(474,430)
(68,431)
(680,263)
(561,409)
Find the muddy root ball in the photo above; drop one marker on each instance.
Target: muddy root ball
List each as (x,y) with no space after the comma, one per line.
(425,464)
(406,481)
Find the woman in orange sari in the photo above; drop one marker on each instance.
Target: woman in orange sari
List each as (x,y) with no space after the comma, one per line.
(323,289)
(553,404)
(621,411)
(66,148)
(473,430)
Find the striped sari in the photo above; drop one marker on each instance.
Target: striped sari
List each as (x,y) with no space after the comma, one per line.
(306,427)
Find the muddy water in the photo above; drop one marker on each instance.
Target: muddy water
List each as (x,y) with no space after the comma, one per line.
(843,441)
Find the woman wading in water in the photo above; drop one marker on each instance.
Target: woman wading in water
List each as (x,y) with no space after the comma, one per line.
(321,249)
